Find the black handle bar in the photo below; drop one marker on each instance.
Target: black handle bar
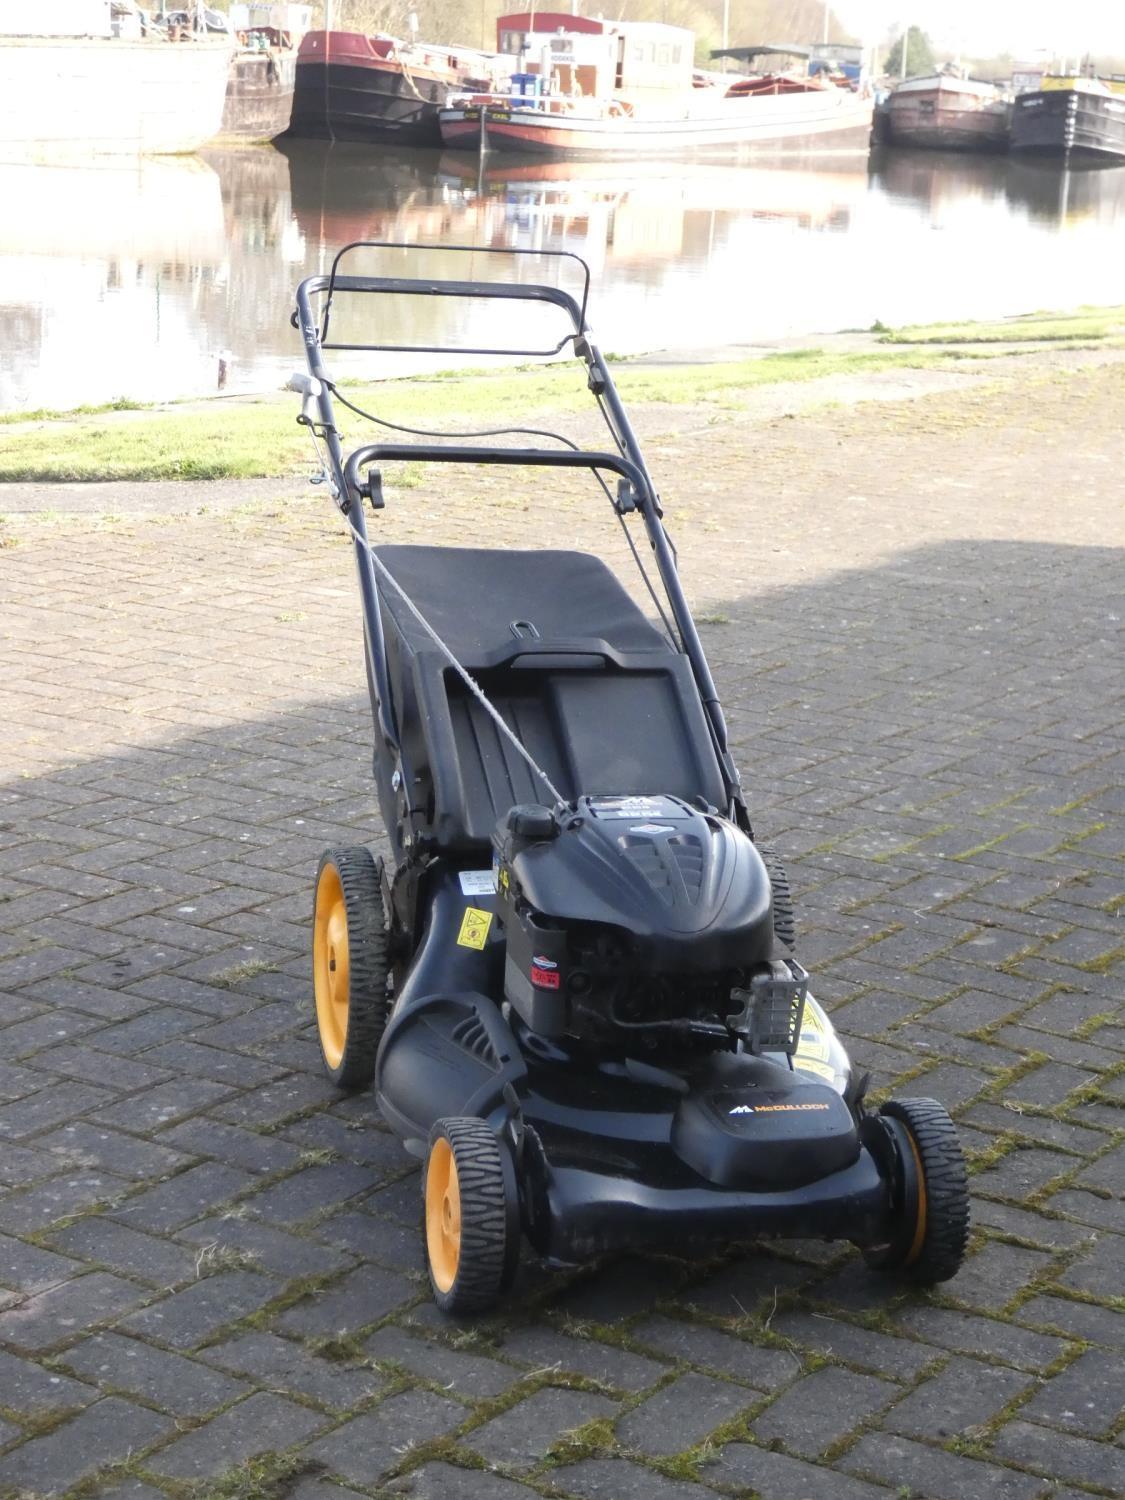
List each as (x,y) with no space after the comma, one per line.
(545,458)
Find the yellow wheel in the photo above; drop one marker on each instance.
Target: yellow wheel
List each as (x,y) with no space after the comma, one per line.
(470,1217)
(349,964)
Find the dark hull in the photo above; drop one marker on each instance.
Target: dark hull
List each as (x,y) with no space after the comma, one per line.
(1070,124)
(937,138)
(945,117)
(960,131)
(259,99)
(374,104)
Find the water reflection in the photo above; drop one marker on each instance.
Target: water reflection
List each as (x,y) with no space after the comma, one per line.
(105,268)
(1051,196)
(1046,193)
(135,278)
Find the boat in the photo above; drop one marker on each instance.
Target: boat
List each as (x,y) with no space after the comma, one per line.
(259,97)
(1076,119)
(946,112)
(378,89)
(596,88)
(90,78)
(263,70)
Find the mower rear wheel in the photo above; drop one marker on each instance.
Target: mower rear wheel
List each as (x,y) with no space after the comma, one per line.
(784,922)
(349,964)
(470,1215)
(932,1196)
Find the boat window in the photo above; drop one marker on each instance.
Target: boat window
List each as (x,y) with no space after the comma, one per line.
(637,52)
(662,55)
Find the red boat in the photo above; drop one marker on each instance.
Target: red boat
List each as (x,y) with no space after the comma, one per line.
(354,87)
(589,88)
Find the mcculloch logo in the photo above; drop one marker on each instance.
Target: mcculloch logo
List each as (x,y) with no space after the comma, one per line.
(776,1109)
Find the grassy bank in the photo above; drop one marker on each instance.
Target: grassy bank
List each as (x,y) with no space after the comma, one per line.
(1087,325)
(242,438)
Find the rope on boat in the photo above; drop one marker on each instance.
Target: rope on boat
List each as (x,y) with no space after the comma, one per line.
(406,73)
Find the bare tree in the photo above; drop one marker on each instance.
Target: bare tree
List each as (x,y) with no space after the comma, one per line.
(472,23)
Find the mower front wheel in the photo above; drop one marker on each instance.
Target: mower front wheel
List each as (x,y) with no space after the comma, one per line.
(349,964)
(471,1217)
(930,1196)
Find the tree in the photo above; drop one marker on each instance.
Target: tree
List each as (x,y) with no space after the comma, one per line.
(919,55)
(473,22)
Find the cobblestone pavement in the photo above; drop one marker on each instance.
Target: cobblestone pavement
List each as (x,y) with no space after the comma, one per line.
(209,1266)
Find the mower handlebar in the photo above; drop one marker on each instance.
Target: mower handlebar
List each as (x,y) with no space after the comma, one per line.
(314,328)
(545,458)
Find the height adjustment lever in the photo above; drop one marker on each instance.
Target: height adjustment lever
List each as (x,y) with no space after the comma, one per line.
(371,489)
(626,497)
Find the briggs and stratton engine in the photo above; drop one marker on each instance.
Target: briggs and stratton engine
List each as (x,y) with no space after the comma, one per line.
(646,918)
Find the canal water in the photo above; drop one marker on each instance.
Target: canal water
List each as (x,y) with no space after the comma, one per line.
(160,278)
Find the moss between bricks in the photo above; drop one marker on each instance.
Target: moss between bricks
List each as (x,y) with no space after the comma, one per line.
(227,979)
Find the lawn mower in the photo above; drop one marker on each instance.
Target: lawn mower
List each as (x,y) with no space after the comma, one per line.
(573,983)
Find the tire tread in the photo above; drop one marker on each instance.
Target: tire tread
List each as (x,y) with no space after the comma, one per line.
(946,1184)
(784,920)
(483,1269)
(361,881)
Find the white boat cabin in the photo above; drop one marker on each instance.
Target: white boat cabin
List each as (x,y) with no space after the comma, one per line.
(62,18)
(579,57)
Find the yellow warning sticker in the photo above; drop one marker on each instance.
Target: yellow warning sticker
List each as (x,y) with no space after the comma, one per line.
(474,928)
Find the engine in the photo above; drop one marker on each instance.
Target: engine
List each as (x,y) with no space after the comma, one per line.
(636,917)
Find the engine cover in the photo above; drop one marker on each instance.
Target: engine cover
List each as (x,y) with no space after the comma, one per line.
(751,1123)
(626,897)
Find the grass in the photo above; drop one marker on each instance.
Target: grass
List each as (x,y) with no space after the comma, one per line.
(45,413)
(221,441)
(226,979)
(248,438)
(1086,325)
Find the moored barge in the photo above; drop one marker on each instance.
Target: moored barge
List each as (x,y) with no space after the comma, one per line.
(260,87)
(82,78)
(377,89)
(1080,120)
(945,112)
(587,88)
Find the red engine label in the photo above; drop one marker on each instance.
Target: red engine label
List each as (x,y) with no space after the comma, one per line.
(544,979)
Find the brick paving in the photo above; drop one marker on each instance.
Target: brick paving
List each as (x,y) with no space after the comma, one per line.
(209,1270)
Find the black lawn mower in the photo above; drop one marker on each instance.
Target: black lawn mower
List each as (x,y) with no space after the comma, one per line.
(574,982)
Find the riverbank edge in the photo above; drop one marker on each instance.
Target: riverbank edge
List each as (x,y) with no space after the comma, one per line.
(247,437)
